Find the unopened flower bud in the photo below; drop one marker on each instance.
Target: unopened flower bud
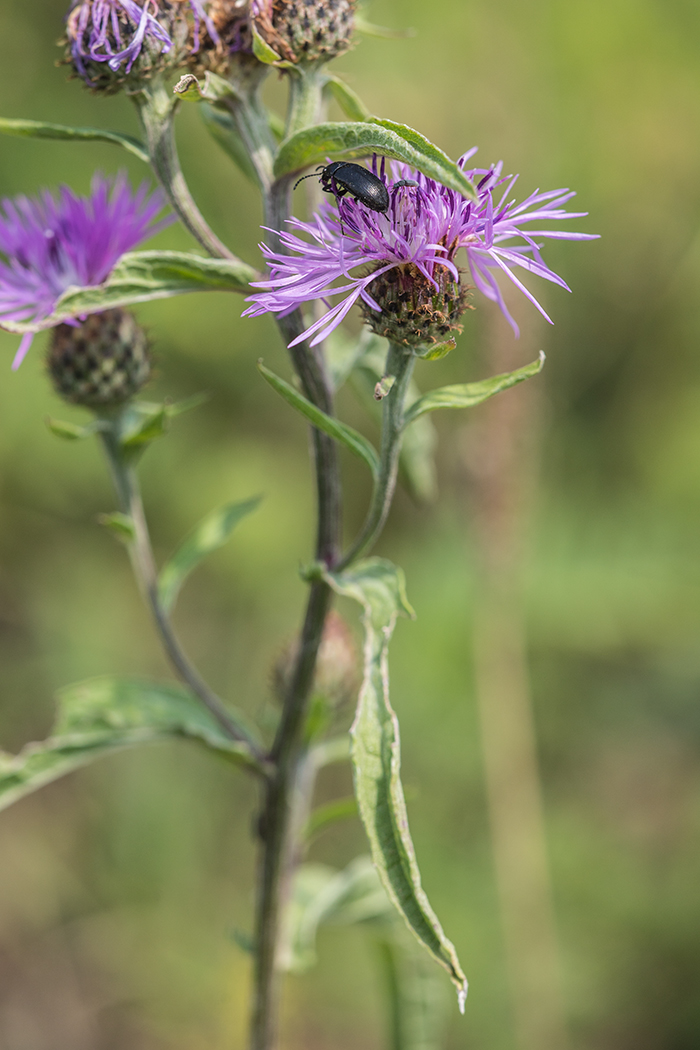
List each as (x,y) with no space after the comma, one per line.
(315,29)
(336,677)
(102,362)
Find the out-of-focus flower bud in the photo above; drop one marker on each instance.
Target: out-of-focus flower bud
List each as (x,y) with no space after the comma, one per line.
(336,678)
(101,363)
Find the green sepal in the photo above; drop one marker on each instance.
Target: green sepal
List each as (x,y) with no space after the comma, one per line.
(379,587)
(347,140)
(437,351)
(467,395)
(350,103)
(71,431)
(262,50)
(141,277)
(121,525)
(341,433)
(42,129)
(141,423)
(103,715)
(211,533)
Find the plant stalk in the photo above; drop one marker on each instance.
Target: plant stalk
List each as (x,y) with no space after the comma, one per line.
(399,364)
(276,826)
(145,571)
(156,107)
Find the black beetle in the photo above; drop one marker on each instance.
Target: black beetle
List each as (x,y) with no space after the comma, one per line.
(343,177)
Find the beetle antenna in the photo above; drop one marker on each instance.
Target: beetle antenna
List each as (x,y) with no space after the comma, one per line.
(319,168)
(311,176)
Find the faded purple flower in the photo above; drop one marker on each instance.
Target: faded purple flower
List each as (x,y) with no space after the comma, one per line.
(421,232)
(116,31)
(51,244)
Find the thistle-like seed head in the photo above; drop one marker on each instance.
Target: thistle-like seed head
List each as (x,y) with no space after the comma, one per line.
(101,363)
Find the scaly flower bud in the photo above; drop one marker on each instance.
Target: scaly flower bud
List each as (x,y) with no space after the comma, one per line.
(100,363)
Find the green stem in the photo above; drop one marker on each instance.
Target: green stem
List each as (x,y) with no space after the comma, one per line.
(156,107)
(145,571)
(306,84)
(278,825)
(399,364)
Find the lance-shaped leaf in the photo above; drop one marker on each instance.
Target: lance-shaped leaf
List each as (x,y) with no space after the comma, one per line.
(379,588)
(350,103)
(222,128)
(322,895)
(42,129)
(342,433)
(140,277)
(467,395)
(103,715)
(347,140)
(210,534)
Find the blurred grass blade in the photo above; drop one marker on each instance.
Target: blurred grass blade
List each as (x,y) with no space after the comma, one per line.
(467,395)
(210,534)
(380,589)
(140,277)
(344,141)
(42,129)
(103,715)
(342,433)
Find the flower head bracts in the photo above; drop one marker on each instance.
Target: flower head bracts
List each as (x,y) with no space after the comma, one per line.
(50,244)
(346,246)
(116,31)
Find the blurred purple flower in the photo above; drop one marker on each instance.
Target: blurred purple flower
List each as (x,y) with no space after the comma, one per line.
(52,244)
(425,225)
(114,31)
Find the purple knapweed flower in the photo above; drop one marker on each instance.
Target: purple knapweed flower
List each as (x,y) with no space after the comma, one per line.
(417,239)
(50,245)
(116,31)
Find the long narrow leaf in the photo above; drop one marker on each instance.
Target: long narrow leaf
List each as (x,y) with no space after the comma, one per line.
(210,534)
(379,588)
(342,433)
(103,715)
(467,395)
(42,129)
(140,277)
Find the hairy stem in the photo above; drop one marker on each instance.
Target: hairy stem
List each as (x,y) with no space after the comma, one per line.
(156,107)
(399,365)
(276,827)
(145,571)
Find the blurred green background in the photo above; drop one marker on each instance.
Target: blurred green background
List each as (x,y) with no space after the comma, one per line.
(120,886)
